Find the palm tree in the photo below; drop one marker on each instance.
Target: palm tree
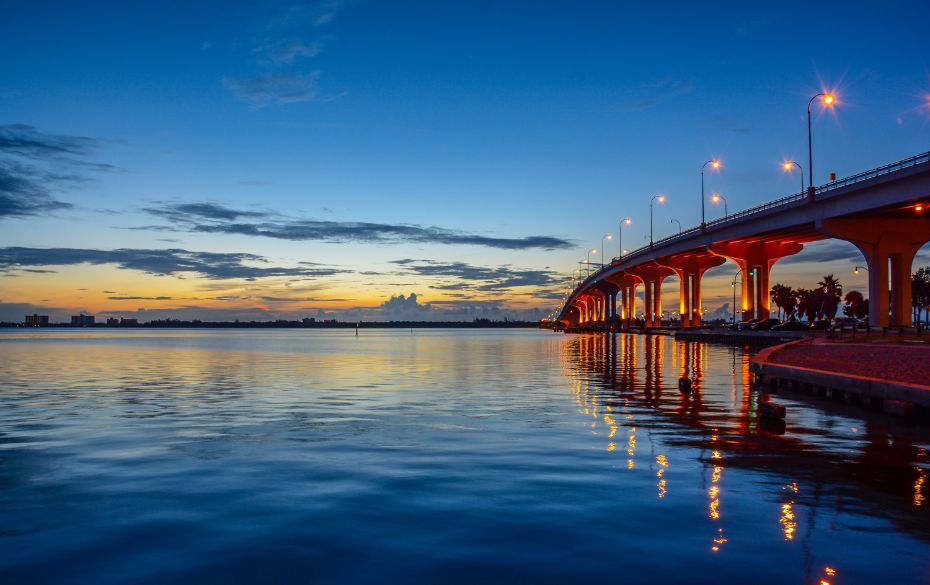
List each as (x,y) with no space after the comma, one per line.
(920,292)
(856,305)
(808,302)
(832,292)
(784,298)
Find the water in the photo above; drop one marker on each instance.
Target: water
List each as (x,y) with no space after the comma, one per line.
(471,456)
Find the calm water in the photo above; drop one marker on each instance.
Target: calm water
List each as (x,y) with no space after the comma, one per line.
(436,456)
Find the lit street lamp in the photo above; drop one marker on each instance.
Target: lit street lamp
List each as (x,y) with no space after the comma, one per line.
(627,221)
(676,221)
(790,163)
(588,263)
(605,237)
(660,199)
(828,100)
(856,269)
(717,198)
(715,164)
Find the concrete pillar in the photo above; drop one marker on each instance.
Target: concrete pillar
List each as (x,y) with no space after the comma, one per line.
(657,303)
(889,247)
(690,268)
(647,302)
(755,261)
(697,313)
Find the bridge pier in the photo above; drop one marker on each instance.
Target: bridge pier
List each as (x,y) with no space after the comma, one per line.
(889,247)
(755,260)
(690,268)
(652,275)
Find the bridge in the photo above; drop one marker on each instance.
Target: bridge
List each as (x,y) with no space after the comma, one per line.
(883,212)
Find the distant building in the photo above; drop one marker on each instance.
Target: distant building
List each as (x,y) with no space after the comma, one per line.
(82,320)
(128,322)
(112,322)
(36,320)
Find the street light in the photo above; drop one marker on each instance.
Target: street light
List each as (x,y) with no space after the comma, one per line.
(791,163)
(588,263)
(676,221)
(661,199)
(717,198)
(605,237)
(856,269)
(627,221)
(828,100)
(715,164)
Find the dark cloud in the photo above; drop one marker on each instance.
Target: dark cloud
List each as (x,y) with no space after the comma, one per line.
(170,262)
(481,278)
(825,251)
(34,163)
(212,218)
(140,298)
(185,212)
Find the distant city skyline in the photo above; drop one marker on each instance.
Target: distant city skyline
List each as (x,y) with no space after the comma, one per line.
(360,160)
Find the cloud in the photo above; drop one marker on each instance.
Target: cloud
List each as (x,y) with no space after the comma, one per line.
(211,211)
(216,219)
(652,94)
(825,251)
(409,308)
(274,88)
(33,163)
(479,278)
(283,44)
(170,262)
(140,298)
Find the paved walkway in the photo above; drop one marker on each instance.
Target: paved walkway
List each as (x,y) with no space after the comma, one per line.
(898,362)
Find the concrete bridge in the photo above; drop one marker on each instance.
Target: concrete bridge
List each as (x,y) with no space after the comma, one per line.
(884,212)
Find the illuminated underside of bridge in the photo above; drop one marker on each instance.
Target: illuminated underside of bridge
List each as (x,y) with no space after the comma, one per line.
(881,212)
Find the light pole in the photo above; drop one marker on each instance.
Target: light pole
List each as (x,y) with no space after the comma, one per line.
(660,199)
(676,221)
(591,251)
(627,221)
(791,163)
(856,269)
(739,272)
(828,100)
(604,237)
(717,198)
(715,164)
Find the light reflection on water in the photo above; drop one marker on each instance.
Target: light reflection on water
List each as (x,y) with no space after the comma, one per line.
(452,456)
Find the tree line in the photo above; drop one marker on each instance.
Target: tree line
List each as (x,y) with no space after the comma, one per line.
(823,301)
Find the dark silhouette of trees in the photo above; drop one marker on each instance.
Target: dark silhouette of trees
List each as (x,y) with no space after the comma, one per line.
(808,302)
(855,305)
(920,293)
(784,298)
(831,294)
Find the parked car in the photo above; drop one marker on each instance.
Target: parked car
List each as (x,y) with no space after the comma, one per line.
(820,325)
(790,326)
(747,325)
(845,322)
(765,324)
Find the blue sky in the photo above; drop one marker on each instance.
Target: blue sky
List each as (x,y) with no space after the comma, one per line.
(510,136)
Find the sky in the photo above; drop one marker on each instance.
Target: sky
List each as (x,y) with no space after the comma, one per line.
(416,160)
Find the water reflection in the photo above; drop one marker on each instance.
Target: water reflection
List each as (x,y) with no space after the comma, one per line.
(828,459)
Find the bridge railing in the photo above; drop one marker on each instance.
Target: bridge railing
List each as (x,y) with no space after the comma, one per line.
(796,198)
(883,170)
